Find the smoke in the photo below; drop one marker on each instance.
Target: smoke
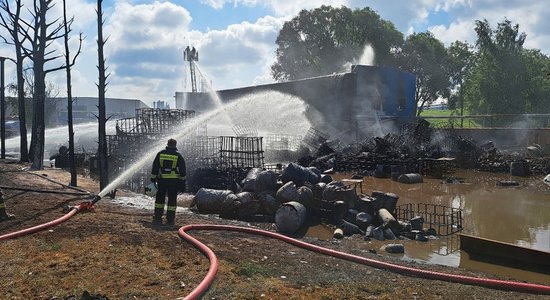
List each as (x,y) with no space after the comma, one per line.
(366,58)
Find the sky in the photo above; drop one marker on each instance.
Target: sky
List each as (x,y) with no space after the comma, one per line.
(236,38)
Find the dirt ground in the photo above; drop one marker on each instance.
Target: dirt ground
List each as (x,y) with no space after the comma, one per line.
(115,252)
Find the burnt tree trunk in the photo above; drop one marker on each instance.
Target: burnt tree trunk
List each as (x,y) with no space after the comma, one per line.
(102,118)
(11,22)
(72,164)
(39,53)
(23,146)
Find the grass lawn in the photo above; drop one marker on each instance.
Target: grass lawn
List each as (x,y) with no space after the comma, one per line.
(468,123)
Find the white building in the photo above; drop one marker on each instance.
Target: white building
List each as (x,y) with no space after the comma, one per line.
(85,109)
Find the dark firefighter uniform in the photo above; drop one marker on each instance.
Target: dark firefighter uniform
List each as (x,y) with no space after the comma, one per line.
(169,173)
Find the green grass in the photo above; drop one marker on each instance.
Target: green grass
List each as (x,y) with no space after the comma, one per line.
(250,270)
(438,113)
(468,123)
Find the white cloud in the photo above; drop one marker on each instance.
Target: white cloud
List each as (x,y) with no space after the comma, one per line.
(144,51)
(240,54)
(456,31)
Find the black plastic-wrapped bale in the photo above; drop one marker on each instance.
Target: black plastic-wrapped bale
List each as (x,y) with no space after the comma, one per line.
(210,201)
(288,192)
(269,203)
(265,181)
(336,190)
(349,228)
(248,182)
(318,190)
(410,178)
(388,201)
(369,204)
(249,206)
(299,175)
(306,196)
(290,217)
(395,248)
(363,220)
(326,178)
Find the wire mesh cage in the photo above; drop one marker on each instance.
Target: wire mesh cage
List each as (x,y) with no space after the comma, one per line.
(243,131)
(241,152)
(314,138)
(445,220)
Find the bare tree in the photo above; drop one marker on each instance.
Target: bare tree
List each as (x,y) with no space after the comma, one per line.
(102,85)
(12,24)
(41,35)
(68,64)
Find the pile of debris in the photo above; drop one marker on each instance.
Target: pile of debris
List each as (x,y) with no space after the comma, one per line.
(420,148)
(300,194)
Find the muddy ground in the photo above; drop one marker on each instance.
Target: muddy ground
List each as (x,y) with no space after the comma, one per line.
(114,251)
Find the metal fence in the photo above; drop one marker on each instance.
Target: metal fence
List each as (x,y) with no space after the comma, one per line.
(492,121)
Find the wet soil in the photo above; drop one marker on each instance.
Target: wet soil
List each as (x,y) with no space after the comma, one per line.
(114,251)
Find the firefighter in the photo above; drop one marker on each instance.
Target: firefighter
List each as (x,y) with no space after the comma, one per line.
(168,173)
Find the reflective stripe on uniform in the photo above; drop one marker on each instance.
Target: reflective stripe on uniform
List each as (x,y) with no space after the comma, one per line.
(153,176)
(2,205)
(171,208)
(168,171)
(159,205)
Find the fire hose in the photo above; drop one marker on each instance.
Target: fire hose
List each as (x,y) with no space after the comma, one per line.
(205,283)
(212,270)
(72,211)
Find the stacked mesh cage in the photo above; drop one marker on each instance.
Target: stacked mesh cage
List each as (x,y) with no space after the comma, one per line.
(155,120)
(282,142)
(149,126)
(243,131)
(314,139)
(241,152)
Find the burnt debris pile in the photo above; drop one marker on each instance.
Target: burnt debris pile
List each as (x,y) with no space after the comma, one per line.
(302,195)
(419,147)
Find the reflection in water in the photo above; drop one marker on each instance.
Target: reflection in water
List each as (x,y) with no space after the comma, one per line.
(517,215)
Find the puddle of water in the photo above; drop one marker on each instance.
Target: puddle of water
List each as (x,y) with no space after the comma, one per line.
(516,215)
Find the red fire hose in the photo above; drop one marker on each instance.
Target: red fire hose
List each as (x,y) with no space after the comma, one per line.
(81,207)
(205,283)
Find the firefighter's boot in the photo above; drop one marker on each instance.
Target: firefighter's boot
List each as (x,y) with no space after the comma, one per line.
(159,211)
(170,215)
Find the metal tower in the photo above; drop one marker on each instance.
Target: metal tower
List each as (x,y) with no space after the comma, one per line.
(191,55)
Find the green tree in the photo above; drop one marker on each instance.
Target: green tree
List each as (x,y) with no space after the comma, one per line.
(425,56)
(460,57)
(499,79)
(320,41)
(538,81)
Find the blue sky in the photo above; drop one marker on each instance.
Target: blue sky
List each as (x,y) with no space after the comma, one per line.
(236,38)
